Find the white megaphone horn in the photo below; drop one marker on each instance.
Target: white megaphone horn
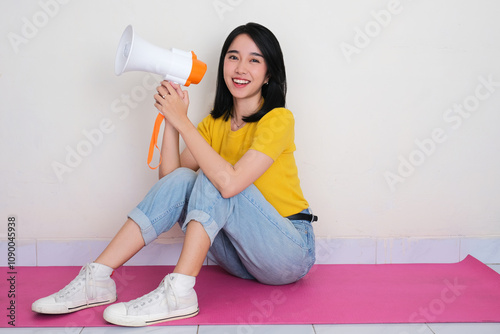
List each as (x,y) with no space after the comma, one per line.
(136,54)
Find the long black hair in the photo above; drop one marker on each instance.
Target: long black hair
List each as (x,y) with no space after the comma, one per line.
(274,92)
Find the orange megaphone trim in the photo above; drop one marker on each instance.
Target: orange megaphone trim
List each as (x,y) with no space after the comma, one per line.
(198,70)
(154,140)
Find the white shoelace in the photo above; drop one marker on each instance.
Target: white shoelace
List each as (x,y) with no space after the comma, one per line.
(172,290)
(154,295)
(86,274)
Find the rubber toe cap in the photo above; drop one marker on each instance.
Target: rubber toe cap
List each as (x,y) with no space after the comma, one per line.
(48,305)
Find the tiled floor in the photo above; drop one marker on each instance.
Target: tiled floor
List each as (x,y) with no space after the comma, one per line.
(432,328)
(482,328)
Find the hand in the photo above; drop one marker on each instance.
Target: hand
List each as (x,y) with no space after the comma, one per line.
(173,103)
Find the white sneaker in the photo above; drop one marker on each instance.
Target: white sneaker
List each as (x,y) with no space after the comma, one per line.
(92,287)
(174,299)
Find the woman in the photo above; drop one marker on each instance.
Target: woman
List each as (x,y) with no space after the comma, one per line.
(244,204)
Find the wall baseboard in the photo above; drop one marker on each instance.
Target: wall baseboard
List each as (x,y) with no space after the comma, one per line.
(47,252)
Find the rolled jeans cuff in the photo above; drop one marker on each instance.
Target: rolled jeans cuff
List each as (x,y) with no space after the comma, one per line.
(148,232)
(210,225)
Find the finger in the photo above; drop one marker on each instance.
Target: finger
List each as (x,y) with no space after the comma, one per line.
(158,98)
(178,89)
(170,89)
(164,84)
(163,88)
(159,107)
(162,91)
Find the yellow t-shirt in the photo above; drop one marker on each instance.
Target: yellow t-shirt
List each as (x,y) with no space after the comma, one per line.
(274,136)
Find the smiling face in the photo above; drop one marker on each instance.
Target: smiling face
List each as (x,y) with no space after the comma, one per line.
(245,70)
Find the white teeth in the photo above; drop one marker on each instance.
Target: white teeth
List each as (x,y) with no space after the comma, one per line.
(242,82)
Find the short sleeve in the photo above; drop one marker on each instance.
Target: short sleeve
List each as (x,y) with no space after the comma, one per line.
(275,133)
(205,128)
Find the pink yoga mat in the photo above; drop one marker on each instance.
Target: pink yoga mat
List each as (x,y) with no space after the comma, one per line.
(467,291)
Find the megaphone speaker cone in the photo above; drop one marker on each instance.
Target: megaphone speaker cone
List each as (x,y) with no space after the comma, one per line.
(124,48)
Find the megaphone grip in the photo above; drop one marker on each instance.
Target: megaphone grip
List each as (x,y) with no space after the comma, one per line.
(154,140)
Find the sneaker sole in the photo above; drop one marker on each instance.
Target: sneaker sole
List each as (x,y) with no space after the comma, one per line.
(51,310)
(136,321)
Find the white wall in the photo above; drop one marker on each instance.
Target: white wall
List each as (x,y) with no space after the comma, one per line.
(365,94)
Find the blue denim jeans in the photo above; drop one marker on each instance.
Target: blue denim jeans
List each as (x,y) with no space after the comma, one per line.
(249,238)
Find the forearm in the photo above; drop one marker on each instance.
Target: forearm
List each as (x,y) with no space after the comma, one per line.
(170,158)
(219,171)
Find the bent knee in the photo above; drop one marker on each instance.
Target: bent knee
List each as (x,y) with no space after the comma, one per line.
(183,172)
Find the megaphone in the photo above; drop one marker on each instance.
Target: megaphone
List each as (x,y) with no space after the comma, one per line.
(136,54)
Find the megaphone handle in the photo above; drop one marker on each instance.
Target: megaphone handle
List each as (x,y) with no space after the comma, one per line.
(154,140)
